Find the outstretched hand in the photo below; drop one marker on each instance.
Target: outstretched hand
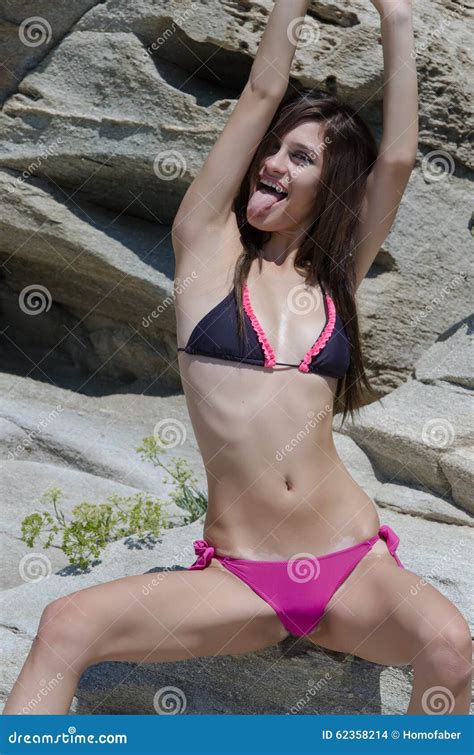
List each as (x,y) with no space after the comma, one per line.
(386,7)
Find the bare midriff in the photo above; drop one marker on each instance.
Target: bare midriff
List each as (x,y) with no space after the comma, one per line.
(276,484)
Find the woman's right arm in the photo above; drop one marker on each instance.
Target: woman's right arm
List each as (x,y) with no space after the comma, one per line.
(209,199)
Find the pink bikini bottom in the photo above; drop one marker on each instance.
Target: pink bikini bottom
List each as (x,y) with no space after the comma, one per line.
(299,589)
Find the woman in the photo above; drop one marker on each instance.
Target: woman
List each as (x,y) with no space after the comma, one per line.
(266,350)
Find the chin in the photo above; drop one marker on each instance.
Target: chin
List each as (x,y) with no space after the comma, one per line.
(261,224)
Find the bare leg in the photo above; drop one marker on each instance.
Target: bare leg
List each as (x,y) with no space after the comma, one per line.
(187,614)
(391,616)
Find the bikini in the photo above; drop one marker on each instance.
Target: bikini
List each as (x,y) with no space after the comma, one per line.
(216,335)
(299,589)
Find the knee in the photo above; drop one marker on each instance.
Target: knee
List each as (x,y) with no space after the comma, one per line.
(449,652)
(63,631)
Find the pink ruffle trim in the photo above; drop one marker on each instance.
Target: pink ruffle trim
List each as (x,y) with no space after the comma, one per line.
(269,356)
(323,338)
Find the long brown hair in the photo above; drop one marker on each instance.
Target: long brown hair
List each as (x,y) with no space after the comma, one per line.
(327,250)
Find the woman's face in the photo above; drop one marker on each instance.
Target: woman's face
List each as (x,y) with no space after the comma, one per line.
(295,162)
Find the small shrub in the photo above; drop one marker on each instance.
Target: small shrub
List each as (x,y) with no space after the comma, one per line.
(93,526)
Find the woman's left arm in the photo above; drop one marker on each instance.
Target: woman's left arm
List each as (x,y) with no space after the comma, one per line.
(388,178)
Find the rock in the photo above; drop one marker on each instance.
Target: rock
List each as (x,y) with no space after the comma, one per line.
(25,43)
(450,359)
(98,436)
(358,464)
(421,503)
(21,485)
(459,470)
(94,165)
(408,433)
(112,313)
(101,135)
(97,137)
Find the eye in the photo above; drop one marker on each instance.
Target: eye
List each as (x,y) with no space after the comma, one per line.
(304,156)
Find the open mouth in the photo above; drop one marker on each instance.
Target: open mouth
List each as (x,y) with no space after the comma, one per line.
(269,190)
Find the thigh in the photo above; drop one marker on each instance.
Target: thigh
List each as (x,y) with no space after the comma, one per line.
(386,614)
(162,616)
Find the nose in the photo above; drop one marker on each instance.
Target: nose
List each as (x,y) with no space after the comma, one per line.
(275,164)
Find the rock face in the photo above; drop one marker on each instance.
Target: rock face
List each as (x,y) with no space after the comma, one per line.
(422,432)
(109,110)
(128,130)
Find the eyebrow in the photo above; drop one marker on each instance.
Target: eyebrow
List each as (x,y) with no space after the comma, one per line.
(303,146)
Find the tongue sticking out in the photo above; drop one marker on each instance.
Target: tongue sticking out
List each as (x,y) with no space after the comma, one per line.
(260,202)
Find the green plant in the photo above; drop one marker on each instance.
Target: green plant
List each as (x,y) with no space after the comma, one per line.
(93,525)
(186,496)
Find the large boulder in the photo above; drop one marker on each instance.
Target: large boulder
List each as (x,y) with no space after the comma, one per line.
(422,432)
(153,86)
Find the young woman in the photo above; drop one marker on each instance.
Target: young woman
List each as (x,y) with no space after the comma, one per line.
(291,544)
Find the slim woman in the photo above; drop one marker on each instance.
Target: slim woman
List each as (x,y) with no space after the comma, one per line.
(271,242)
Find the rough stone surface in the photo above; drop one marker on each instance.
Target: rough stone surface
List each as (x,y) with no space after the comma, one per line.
(21,485)
(96,135)
(408,433)
(105,124)
(450,359)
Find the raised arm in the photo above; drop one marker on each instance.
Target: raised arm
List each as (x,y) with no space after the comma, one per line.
(397,150)
(210,197)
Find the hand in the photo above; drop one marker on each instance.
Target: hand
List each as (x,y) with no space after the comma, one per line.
(387,7)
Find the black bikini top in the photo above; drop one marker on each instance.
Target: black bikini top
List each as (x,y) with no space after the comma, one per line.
(216,335)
